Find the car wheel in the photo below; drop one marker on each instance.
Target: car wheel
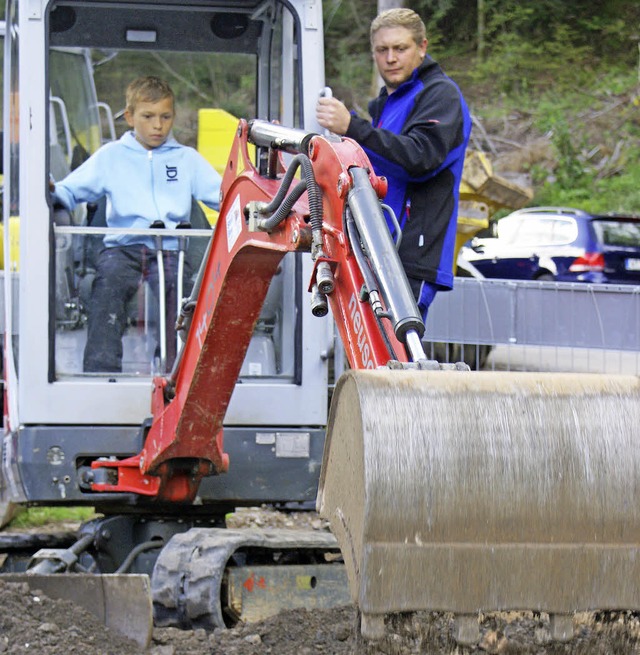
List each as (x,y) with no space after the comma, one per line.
(545,277)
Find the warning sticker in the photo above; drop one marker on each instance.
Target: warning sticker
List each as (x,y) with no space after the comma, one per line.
(293,444)
(234,223)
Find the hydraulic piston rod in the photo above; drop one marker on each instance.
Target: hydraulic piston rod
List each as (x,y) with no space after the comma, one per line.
(381,251)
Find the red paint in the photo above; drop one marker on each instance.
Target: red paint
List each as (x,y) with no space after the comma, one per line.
(185,441)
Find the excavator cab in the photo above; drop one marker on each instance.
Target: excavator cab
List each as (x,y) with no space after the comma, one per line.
(63,417)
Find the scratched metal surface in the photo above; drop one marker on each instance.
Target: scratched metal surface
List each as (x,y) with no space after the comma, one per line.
(469,491)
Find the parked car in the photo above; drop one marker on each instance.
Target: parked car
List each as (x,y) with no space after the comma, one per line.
(558,243)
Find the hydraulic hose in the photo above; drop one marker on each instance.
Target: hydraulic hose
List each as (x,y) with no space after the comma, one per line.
(280,207)
(370,281)
(283,209)
(140,548)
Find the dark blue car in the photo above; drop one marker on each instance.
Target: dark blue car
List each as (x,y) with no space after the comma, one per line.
(563,244)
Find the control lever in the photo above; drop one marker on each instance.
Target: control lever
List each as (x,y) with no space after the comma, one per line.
(162,319)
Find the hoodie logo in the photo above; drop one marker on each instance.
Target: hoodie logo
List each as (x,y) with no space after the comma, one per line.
(172,173)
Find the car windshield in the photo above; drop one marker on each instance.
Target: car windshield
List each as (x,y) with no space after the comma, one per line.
(618,233)
(537,230)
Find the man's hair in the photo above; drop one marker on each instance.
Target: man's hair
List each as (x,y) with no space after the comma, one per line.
(400,17)
(147,89)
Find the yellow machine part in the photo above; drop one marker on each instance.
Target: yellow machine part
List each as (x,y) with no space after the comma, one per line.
(14,244)
(482,491)
(216,131)
(482,194)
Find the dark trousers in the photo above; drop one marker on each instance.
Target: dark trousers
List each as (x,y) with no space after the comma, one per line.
(119,274)
(424,293)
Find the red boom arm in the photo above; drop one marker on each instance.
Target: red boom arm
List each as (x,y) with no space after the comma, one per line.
(184,442)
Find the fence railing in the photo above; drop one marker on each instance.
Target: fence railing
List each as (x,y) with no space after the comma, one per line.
(518,325)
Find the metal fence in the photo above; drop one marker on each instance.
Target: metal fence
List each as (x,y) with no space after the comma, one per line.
(537,326)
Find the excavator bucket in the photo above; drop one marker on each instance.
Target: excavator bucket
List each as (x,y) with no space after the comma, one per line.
(484,491)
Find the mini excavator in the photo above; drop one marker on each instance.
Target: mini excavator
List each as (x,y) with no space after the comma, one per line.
(445,489)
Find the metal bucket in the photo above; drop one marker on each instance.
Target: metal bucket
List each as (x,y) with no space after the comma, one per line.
(472,491)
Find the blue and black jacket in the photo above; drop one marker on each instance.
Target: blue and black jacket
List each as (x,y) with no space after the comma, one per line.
(417,139)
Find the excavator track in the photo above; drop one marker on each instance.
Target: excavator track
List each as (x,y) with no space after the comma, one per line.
(514,491)
(209,577)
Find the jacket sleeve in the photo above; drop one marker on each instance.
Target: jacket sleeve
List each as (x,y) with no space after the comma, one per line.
(206,182)
(433,128)
(85,183)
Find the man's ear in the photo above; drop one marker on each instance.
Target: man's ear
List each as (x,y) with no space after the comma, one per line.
(128,117)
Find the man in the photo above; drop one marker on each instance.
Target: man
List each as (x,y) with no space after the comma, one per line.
(417,139)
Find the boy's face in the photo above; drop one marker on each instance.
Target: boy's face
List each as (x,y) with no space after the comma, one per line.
(151,122)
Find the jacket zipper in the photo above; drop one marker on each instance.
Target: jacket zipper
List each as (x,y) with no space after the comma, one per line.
(153,184)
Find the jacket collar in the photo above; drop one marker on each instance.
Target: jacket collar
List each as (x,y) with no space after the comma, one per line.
(426,66)
(129,140)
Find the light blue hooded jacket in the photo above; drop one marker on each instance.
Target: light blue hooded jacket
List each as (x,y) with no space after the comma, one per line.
(142,186)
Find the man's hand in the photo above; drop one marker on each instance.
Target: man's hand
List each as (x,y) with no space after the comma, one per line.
(333,115)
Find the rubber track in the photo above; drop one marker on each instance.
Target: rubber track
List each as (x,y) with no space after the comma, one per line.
(187,577)
(26,540)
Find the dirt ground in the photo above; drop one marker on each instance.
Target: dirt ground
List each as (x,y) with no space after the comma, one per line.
(32,623)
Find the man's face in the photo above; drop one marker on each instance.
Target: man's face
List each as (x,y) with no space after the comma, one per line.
(151,122)
(396,55)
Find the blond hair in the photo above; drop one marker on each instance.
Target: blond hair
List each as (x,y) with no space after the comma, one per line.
(400,17)
(147,89)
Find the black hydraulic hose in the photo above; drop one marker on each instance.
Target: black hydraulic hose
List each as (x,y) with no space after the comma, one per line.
(281,209)
(315,197)
(369,279)
(134,552)
(284,185)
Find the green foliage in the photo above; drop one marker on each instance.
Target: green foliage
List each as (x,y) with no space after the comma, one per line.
(569,170)
(514,65)
(617,194)
(39,516)
(348,63)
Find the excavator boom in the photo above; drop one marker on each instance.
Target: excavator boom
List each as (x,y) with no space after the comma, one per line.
(335,213)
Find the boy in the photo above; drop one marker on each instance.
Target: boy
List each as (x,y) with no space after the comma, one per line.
(147,178)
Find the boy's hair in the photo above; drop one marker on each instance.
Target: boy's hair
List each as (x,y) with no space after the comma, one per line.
(147,89)
(400,17)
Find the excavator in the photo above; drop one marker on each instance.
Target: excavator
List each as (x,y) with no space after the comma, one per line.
(445,488)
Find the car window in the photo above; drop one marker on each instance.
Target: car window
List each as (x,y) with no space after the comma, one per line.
(539,231)
(618,233)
